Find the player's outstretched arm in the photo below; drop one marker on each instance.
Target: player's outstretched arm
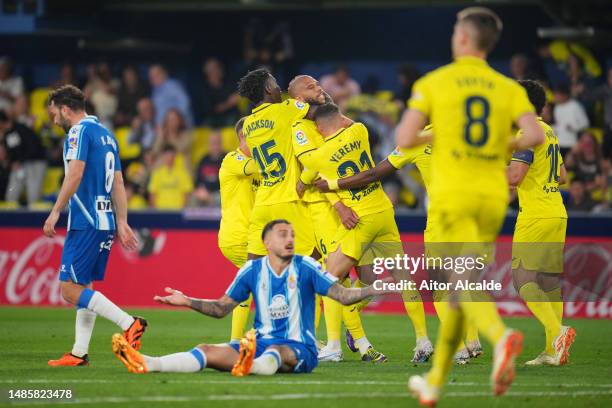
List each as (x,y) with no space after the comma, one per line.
(532,133)
(126,236)
(70,185)
(349,296)
(215,308)
(382,170)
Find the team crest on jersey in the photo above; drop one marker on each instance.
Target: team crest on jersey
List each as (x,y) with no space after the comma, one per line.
(301,138)
(299,105)
(279,309)
(291,282)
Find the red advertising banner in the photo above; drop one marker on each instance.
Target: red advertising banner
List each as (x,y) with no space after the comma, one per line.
(189,260)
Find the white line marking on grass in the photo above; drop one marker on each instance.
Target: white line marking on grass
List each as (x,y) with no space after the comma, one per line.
(300,396)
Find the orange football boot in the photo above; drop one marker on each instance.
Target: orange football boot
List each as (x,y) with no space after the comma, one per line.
(130,358)
(69,360)
(248,345)
(134,333)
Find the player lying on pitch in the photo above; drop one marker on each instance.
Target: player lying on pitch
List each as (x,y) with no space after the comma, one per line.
(283,287)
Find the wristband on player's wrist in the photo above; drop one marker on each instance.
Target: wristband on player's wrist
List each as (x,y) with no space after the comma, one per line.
(333,184)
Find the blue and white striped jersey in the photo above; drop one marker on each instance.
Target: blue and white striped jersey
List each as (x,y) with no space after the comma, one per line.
(91,205)
(285,304)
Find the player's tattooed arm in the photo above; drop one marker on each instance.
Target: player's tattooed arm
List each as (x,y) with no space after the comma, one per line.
(382,170)
(349,296)
(214,308)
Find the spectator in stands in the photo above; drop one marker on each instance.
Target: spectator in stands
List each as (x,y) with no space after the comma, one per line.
(21,111)
(579,199)
(11,86)
(168,93)
(174,132)
(340,86)
(520,67)
(101,90)
(131,90)
(5,171)
(27,159)
(170,185)
(135,200)
(67,76)
(220,106)
(143,125)
(570,118)
(407,76)
(603,93)
(584,159)
(207,174)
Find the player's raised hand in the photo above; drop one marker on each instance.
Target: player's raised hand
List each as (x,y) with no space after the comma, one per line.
(49,227)
(322,185)
(174,298)
(127,237)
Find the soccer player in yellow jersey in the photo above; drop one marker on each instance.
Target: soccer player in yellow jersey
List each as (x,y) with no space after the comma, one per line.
(346,151)
(239,179)
(421,157)
(472,109)
(326,220)
(539,235)
(267,131)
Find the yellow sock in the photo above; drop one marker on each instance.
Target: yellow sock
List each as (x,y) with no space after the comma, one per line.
(557,302)
(440,298)
(484,316)
(449,337)
(471,333)
(333,318)
(317,312)
(543,310)
(240,316)
(416,312)
(351,318)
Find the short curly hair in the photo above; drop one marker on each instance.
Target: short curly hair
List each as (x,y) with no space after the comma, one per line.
(253,85)
(535,93)
(67,95)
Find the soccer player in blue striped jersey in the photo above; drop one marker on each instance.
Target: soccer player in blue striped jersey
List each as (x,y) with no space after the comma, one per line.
(92,189)
(283,286)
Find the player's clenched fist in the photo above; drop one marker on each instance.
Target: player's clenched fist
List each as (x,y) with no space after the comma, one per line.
(175,298)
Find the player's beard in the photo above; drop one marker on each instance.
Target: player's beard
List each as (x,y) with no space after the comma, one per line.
(64,123)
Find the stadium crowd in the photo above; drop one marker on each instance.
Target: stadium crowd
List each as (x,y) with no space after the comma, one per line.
(171,156)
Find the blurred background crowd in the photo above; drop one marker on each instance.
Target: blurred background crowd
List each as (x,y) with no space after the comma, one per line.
(173,132)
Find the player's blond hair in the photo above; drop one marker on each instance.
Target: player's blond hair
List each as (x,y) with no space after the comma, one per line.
(486,26)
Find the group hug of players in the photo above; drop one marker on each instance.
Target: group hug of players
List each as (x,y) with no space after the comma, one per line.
(302,186)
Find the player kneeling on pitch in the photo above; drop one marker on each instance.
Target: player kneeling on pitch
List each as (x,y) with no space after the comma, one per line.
(283,287)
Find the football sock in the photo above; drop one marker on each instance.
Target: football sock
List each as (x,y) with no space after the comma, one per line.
(449,337)
(441,306)
(99,304)
(543,310)
(414,308)
(185,362)
(363,344)
(266,364)
(85,321)
(317,312)
(240,316)
(471,333)
(333,322)
(351,318)
(554,296)
(485,317)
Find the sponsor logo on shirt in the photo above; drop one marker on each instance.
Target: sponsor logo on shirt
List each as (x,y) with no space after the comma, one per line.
(279,309)
(104,205)
(301,138)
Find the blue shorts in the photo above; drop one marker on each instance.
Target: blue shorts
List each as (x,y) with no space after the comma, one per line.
(306,356)
(85,255)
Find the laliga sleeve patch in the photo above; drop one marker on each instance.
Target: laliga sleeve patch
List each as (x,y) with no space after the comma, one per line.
(300,138)
(396,152)
(299,105)
(73,142)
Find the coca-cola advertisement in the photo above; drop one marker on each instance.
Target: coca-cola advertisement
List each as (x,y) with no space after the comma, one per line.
(191,260)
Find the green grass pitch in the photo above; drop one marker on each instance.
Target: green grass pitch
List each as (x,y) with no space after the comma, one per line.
(31,336)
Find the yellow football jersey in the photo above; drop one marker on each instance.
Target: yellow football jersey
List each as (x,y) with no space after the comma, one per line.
(472,109)
(268,135)
(343,154)
(306,140)
(539,195)
(238,179)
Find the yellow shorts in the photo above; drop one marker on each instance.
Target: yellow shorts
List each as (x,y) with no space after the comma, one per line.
(295,212)
(537,244)
(236,254)
(325,222)
(471,222)
(378,228)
